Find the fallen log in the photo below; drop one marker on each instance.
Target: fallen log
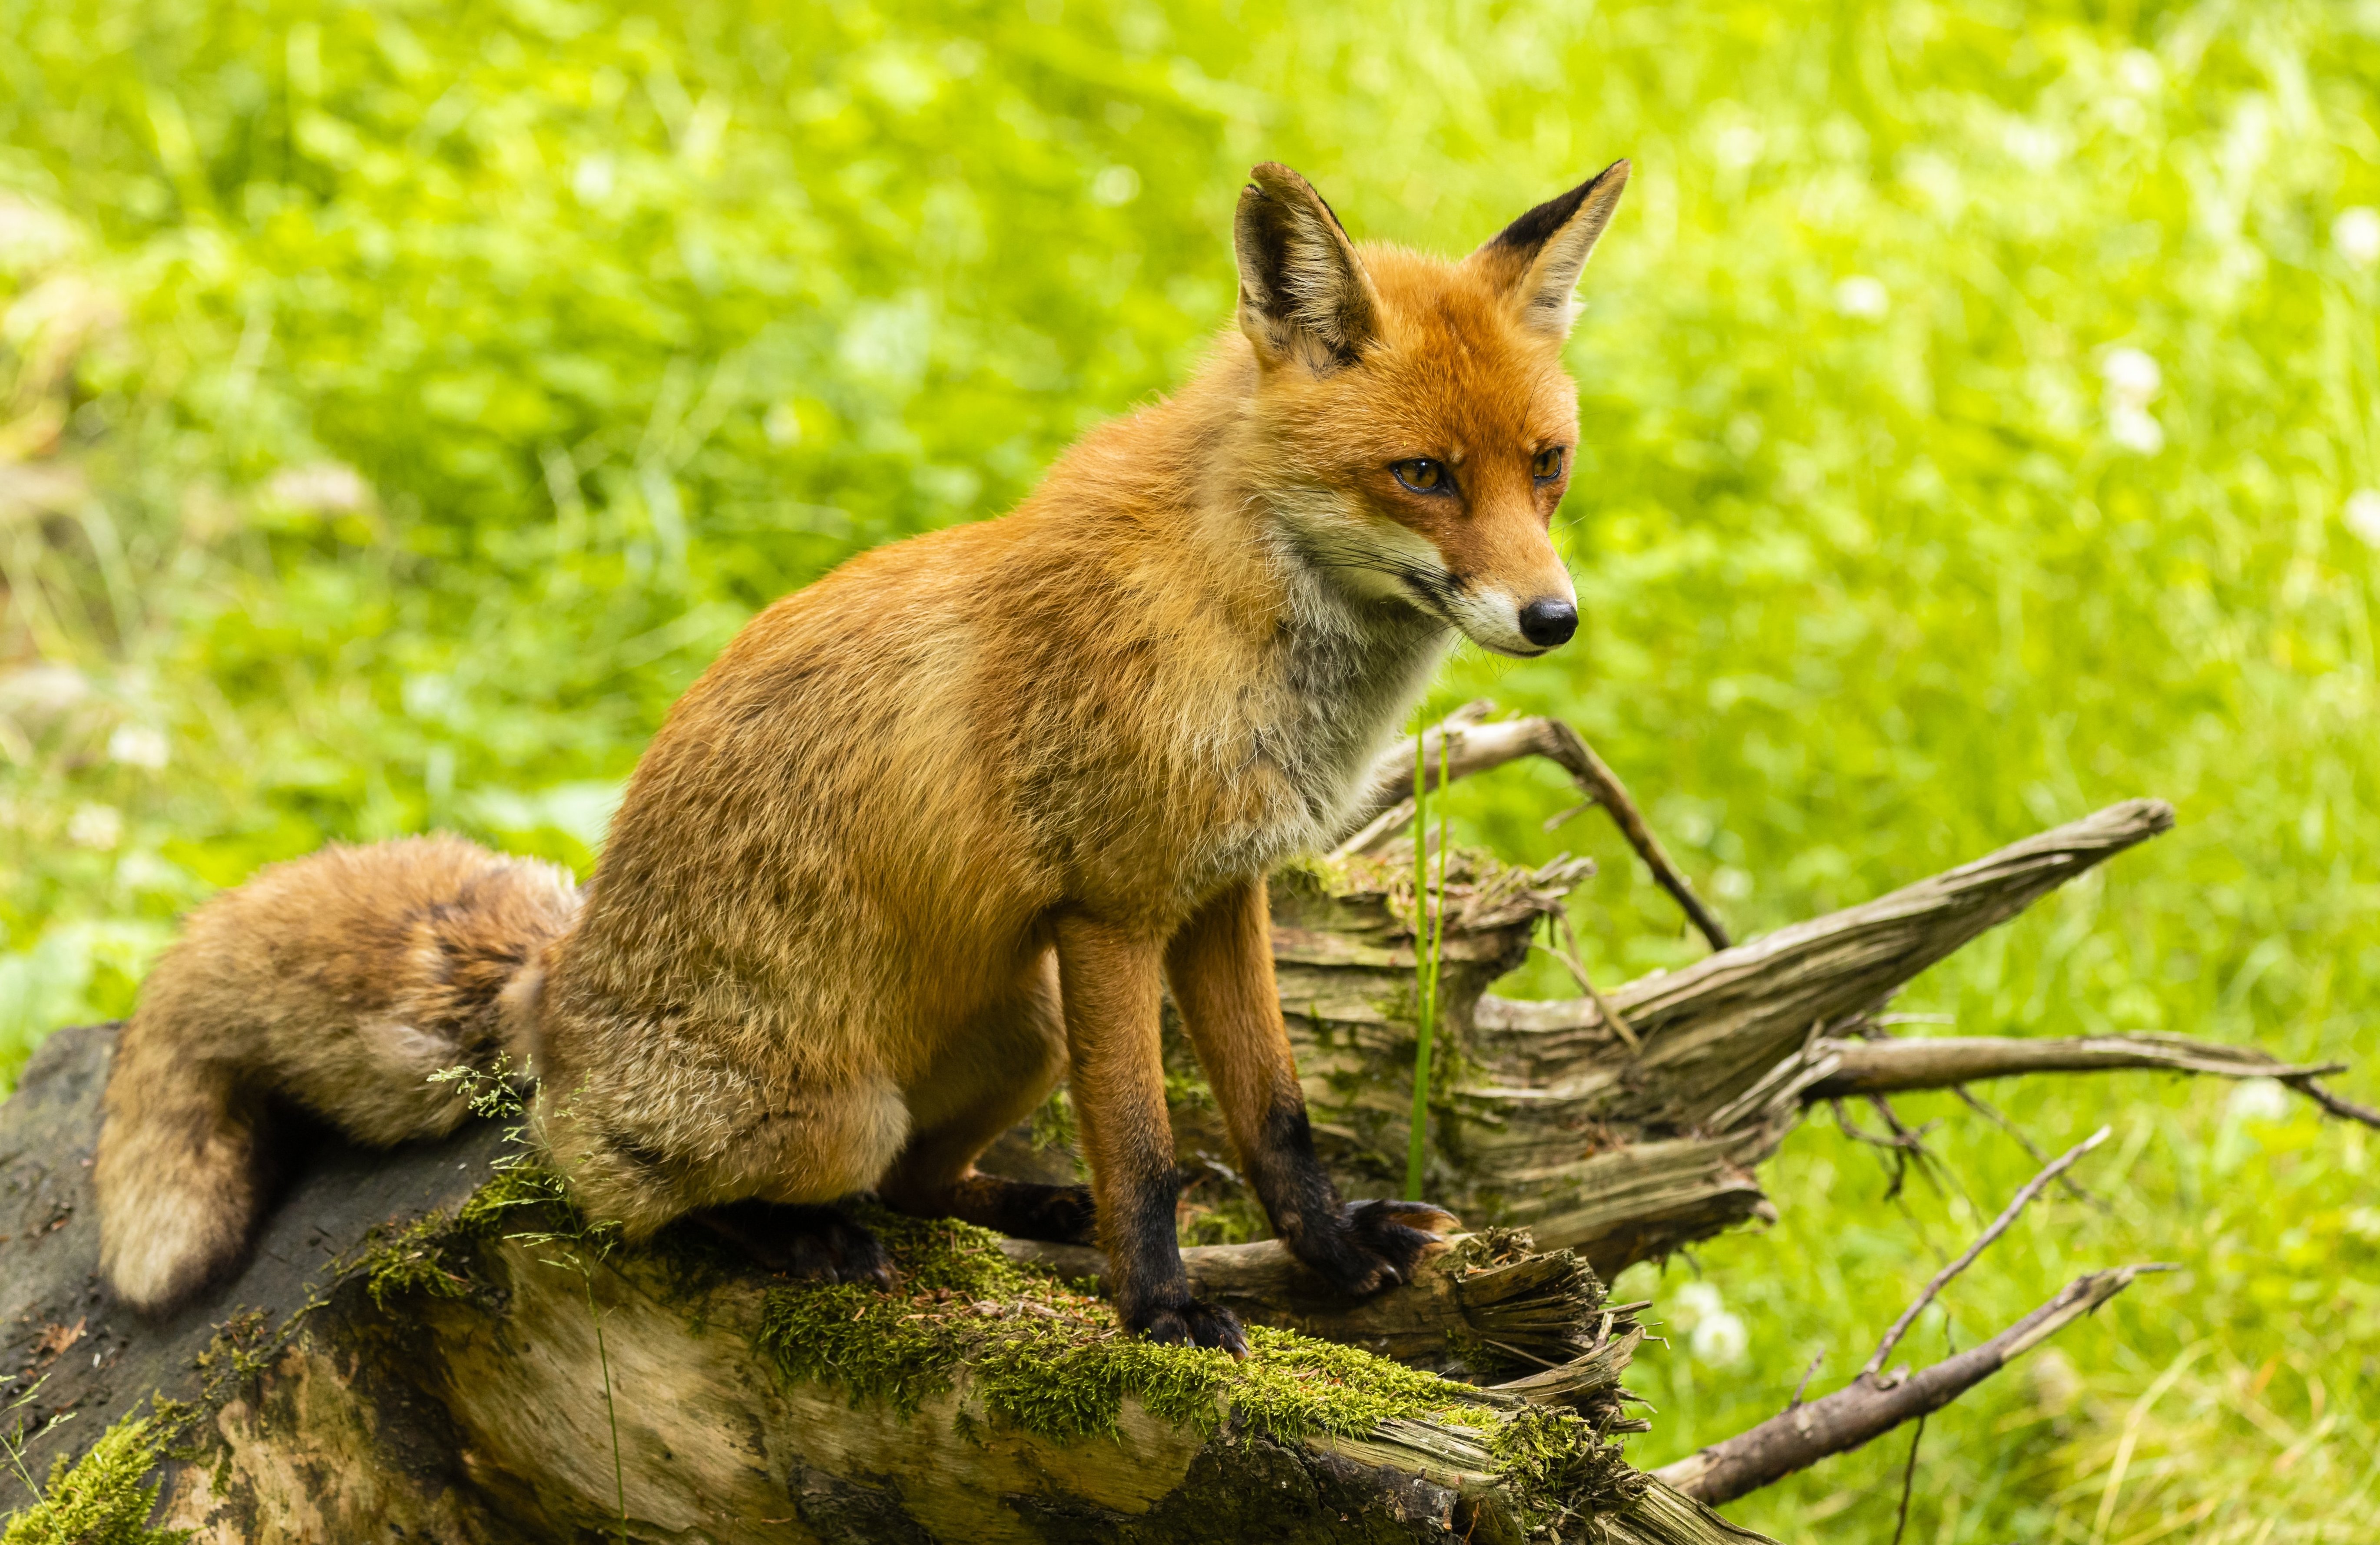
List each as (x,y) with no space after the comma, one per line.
(432,1345)
(428,1343)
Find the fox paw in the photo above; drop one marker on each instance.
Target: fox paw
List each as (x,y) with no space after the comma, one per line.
(816,1244)
(1066,1216)
(1187,1322)
(1372,1245)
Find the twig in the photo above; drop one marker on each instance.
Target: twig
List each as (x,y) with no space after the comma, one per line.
(2337,1105)
(1804,1387)
(2031,1149)
(1553,821)
(1910,1139)
(1900,1143)
(1570,957)
(1473,747)
(1579,759)
(1908,1480)
(1863,1409)
(2000,1225)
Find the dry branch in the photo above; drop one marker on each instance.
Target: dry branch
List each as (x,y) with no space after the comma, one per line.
(1865,1409)
(2000,1225)
(2337,1104)
(1471,746)
(1944,1062)
(1554,1121)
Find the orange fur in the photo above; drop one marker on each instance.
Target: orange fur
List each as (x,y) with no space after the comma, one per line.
(930,831)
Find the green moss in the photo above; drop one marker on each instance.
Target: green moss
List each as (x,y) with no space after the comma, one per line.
(1557,1464)
(238,1352)
(1046,1356)
(414,1260)
(105,1498)
(493,1208)
(905,1346)
(1052,1377)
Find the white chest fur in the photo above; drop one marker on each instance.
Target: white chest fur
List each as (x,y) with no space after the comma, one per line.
(1338,680)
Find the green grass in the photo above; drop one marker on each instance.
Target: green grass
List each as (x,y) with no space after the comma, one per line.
(399,404)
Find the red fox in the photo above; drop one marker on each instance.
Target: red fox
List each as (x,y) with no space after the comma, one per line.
(943,826)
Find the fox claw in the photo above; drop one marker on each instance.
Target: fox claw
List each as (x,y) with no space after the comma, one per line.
(1370,1246)
(1191,1323)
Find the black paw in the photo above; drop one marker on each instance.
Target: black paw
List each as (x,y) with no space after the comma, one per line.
(1371,1245)
(1062,1215)
(815,1243)
(1187,1322)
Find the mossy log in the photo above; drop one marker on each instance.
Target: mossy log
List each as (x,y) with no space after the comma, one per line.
(428,1346)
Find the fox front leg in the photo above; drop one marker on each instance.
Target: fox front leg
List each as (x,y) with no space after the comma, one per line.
(1109,991)
(1221,967)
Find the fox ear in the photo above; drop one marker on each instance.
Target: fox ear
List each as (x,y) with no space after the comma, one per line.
(1303,292)
(1538,258)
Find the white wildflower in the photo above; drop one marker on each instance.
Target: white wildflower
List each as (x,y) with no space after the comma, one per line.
(1738,146)
(2356,234)
(1860,295)
(2257,1099)
(2362,515)
(591,179)
(2135,428)
(1115,186)
(327,487)
(139,746)
(2132,375)
(2132,380)
(99,826)
(1720,1339)
(1691,1303)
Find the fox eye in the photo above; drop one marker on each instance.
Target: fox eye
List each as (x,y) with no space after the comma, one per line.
(1549,465)
(1423,476)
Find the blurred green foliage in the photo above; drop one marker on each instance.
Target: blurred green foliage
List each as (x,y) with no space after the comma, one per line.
(399,403)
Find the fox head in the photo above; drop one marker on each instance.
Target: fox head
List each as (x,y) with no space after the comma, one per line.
(1418,424)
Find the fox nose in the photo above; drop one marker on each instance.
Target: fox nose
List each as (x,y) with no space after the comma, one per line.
(1548,623)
